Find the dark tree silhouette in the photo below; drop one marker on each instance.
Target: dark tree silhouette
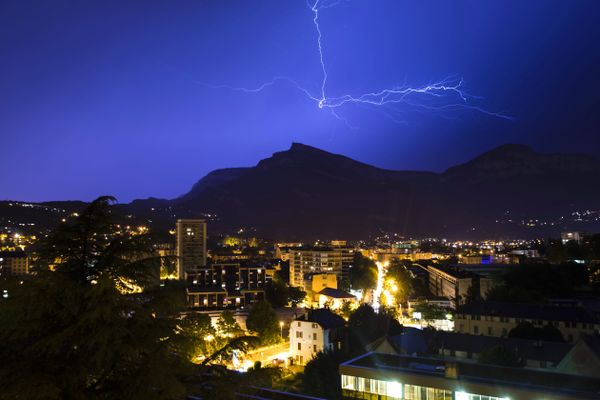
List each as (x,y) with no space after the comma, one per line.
(82,329)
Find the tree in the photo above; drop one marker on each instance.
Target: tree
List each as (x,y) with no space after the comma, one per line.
(500,355)
(365,326)
(430,311)
(402,285)
(262,320)
(526,330)
(200,334)
(227,326)
(473,295)
(296,295)
(537,282)
(280,294)
(92,323)
(321,377)
(363,274)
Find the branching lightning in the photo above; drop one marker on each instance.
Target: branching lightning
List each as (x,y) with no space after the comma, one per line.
(448,92)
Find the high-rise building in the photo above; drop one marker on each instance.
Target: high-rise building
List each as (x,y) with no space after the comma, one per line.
(13,263)
(307,261)
(191,247)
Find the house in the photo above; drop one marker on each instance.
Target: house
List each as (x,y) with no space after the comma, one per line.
(584,358)
(318,330)
(335,298)
(411,341)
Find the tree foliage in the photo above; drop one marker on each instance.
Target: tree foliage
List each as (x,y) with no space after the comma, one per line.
(227,326)
(363,274)
(201,336)
(81,328)
(526,330)
(502,356)
(430,311)
(365,326)
(536,282)
(280,294)
(263,321)
(321,377)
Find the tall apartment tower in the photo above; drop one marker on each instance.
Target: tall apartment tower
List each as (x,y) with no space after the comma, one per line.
(314,260)
(191,246)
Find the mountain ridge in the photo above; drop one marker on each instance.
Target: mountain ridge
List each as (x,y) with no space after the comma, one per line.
(308,193)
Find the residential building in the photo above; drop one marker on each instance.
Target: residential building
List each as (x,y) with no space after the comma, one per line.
(497,319)
(13,263)
(335,299)
(377,376)
(191,247)
(307,261)
(584,358)
(233,283)
(313,332)
(455,284)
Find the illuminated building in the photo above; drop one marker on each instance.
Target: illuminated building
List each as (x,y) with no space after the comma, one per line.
(572,236)
(13,263)
(314,260)
(227,284)
(316,331)
(191,246)
(377,376)
(454,284)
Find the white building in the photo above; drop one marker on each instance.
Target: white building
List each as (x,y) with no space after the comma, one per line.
(314,332)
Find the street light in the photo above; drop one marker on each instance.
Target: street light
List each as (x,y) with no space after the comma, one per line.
(281,328)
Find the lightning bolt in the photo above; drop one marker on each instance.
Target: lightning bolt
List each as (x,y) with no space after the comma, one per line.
(448,92)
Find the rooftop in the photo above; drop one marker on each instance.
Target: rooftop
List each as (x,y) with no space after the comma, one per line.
(455,273)
(13,254)
(468,372)
(336,293)
(325,318)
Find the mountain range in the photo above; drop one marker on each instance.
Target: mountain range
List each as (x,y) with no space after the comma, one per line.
(305,193)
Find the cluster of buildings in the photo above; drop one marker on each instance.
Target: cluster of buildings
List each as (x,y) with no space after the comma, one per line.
(218,284)
(427,364)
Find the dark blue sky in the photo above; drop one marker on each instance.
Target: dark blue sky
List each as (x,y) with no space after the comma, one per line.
(106,97)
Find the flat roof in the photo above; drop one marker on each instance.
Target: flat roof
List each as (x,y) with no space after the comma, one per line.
(494,377)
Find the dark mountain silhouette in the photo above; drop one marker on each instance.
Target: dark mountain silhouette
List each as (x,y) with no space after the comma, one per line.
(307,193)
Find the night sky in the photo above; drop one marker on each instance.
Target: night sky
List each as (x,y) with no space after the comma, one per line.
(114,97)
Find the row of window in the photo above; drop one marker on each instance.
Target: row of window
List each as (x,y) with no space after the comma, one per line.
(314,347)
(566,324)
(364,388)
(300,335)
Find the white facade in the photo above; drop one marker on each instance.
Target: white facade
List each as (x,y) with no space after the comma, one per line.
(306,340)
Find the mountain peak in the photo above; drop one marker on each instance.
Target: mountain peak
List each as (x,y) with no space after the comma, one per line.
(302,147)
(511,148)
(521,160)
